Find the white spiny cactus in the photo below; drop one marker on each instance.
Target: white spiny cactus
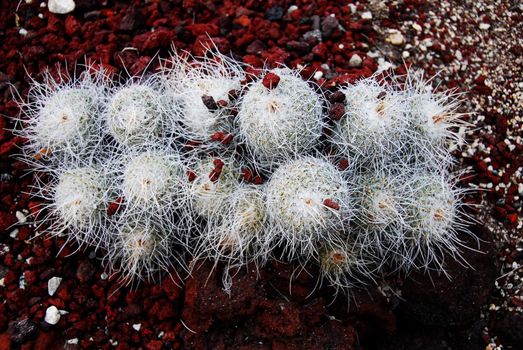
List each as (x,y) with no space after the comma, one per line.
(138,112)
(136,169)
(60,115)
(202,88)
(278,123)
(374,123)
(236,236)
(308,201)
(214,180)
(143,249)
(77,196)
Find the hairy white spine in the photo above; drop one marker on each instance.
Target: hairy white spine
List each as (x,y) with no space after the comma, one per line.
(308,201)
(279,123)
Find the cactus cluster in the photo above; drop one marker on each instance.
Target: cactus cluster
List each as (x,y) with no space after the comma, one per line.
(207,159)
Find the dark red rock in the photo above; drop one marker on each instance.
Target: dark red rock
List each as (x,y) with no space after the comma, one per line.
(209,102)
(85,271)
(271,80)
(337,111)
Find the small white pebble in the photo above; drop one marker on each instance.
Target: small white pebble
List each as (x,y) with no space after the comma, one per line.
(14,233)
(161,334)
(22,219)
(52,315)
(416,27)
(520,188)
(355,61)
(43,4)
(137,326)
(292,8)
(41,15)
(353,8)
(53,284)
(103,276)
(405,54)
(73,341)
(23,31)
(61,6)
(318,75)
(341,46)
(396,39)
(366,15)
(484,26)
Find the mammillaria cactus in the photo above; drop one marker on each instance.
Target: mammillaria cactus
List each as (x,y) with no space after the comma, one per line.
(280,117)
(165,186)
(308,201)
(60,116)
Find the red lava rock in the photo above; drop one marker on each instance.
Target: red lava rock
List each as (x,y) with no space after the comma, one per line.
(271,80)
(72,26)
(85,271)
(154,345)
(209,102)
(191,175)
(114,206)
(227,139)
(5,341)
(331,204)
(337,111)
(247,174)
(6,220)
(218,136)
(172,288)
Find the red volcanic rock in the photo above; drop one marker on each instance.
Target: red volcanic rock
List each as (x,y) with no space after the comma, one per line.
(271,80)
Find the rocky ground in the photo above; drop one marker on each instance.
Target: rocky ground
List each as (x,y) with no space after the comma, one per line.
(474,46)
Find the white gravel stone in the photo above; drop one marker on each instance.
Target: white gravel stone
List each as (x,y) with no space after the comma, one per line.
(137,326)
(318,75)
(366,15)
(53,284)
(22,219)
(61,6)
(396,39)
(52,315)
(355,61)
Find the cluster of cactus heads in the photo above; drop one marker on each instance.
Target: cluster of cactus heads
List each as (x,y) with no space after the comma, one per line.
(207,159)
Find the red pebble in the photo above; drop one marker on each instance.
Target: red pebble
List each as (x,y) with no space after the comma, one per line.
(270,80)
(114,206)
(227,139)
(336,111)
(343,164)
(191,175)
(331,204)
(217,136)
(247,175)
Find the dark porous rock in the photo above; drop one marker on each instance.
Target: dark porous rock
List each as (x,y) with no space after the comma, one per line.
(328,24)
(22,330)
(257,314)
(132,20)
(85,271)
(275,13)
(508,327)
(435,307)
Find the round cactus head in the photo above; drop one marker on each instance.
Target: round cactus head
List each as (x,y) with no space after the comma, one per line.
(204,88)
(141,250)
(280,117)
(308,200)
(135,113)
(236,235)
(212,181)
(374,120)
